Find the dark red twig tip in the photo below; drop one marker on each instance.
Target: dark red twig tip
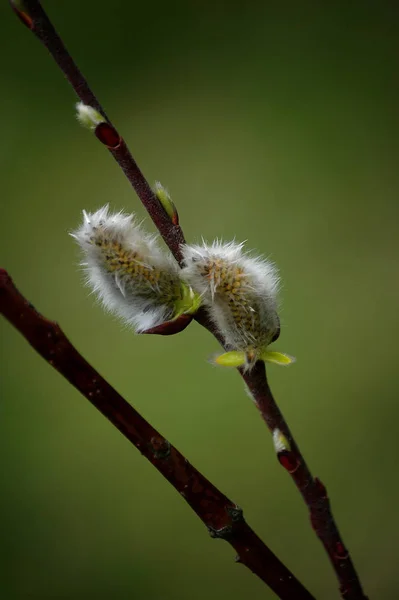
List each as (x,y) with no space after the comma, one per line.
(21,14)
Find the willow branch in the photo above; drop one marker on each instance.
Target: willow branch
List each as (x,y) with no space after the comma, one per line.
(311,489)
(222,517)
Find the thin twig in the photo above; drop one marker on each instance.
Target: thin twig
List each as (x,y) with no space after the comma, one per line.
(222,517)
(36,19)
(311,489)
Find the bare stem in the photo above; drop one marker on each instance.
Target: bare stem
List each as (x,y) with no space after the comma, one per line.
(311,489)
(222,517)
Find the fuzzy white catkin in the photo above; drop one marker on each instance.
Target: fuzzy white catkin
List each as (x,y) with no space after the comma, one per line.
(238,291)
(126,269)
(88,116)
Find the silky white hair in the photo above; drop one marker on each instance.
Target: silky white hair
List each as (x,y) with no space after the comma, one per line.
(88,116)
(239,292)
(126,269)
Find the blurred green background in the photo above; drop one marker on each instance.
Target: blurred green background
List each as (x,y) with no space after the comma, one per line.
(272,122)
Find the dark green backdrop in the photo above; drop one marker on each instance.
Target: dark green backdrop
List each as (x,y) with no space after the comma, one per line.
(268,121)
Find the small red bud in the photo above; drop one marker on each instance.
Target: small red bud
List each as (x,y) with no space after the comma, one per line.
(320,488)
(340,552)
(108,135)
(289,461)
(23,17)
(171,327)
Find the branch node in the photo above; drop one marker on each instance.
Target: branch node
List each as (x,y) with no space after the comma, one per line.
(160,447)
(235,513)
(223,533)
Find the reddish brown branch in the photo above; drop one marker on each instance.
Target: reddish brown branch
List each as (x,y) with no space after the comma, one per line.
(38,22)
(311,489)
(222,517)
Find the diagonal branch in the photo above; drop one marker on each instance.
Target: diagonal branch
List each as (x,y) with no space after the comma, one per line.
(33,15)
(222,517)
(311,489)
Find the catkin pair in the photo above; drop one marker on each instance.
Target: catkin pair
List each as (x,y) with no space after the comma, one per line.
(143,285)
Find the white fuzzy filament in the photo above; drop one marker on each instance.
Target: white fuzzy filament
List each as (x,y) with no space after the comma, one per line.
(239,292)
(126,270)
